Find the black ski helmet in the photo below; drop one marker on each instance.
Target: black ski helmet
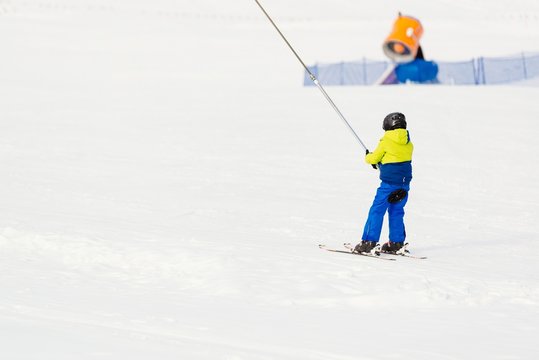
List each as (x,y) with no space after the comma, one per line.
(395,120)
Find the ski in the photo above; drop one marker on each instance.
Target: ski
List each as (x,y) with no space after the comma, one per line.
(323,247)
(406,255)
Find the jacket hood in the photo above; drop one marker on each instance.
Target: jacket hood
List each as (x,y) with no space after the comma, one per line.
(399,136)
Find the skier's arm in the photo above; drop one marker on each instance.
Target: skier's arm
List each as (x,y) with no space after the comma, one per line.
(376,156)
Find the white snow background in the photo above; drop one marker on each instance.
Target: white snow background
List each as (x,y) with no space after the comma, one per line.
(165,180)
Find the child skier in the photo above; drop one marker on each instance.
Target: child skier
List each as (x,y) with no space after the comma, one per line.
(393,157)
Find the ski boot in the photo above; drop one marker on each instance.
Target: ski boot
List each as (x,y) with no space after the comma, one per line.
(368,247)
(397,248)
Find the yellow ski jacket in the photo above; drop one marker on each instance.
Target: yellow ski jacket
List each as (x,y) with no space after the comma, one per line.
(393,156)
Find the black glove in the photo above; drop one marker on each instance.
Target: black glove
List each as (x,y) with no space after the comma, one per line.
(374,166)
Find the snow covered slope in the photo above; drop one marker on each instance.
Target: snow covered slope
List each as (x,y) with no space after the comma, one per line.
(166,180)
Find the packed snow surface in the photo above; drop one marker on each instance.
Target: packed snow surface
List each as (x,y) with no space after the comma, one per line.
(166,181)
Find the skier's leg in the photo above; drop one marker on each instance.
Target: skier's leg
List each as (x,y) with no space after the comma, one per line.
(373,226)
(397,231)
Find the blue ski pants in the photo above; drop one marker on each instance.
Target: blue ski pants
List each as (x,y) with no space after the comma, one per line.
(373,226)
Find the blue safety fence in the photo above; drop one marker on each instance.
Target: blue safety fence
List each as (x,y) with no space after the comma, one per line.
(479,71)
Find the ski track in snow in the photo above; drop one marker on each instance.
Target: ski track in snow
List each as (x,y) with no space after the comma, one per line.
(235,274)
